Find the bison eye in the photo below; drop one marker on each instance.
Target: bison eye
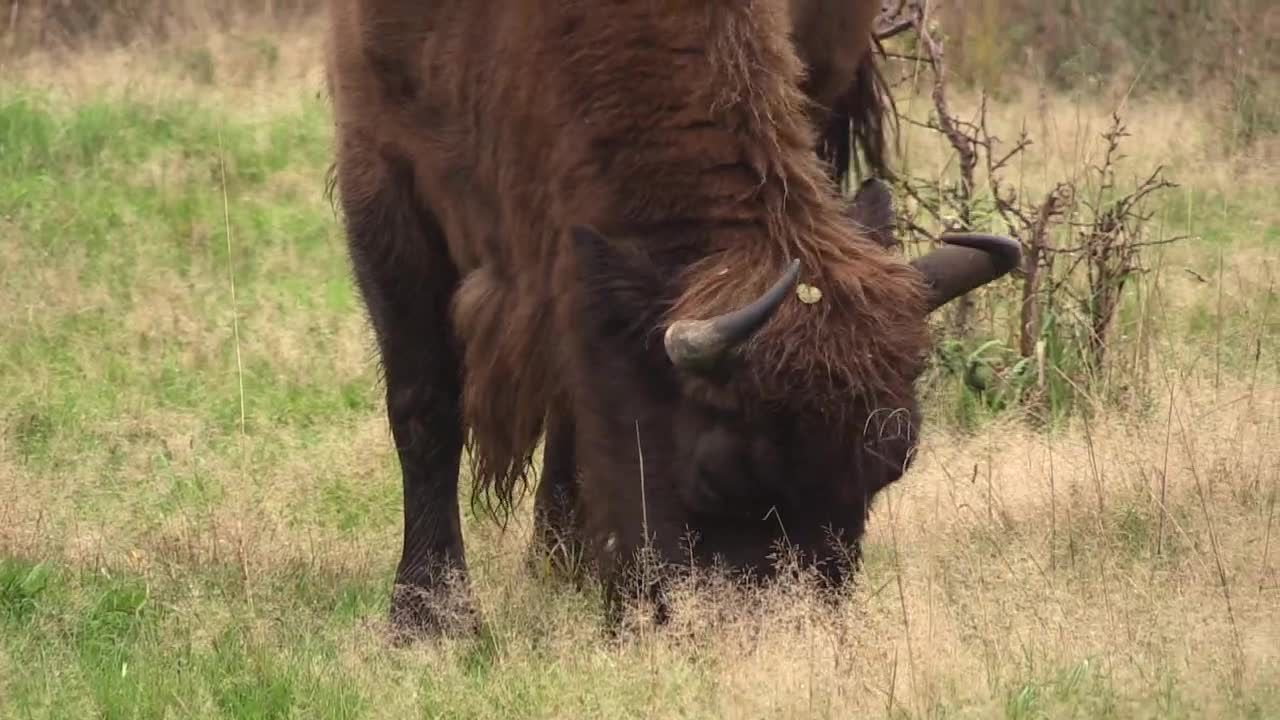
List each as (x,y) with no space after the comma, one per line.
(718,480)
(766,458)
(717,453)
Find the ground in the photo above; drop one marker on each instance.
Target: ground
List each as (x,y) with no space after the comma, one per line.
(200,509)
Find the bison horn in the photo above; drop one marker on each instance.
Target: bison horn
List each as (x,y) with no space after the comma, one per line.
(700,344)
(966,262)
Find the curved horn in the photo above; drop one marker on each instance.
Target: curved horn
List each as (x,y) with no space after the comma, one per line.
(966,262)
(699,344)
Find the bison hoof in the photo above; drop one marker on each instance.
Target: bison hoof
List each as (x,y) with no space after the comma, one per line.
(418,613)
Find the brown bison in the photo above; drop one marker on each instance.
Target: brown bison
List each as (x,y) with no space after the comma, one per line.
(589,218)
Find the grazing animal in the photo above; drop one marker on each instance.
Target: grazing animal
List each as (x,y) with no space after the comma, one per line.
(590,218)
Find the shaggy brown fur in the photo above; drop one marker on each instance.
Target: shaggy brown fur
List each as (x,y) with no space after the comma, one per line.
(821,356)
(473,135)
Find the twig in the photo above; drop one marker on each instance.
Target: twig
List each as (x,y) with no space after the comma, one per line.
(890,22)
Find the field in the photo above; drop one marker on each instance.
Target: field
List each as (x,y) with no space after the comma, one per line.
(200,507)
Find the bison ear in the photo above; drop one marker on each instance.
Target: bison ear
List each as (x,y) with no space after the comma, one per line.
(872,210)
(618,289)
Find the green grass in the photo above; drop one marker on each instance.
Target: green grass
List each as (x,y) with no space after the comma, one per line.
(159,559)
(113,644)
(118,274)
(105,644)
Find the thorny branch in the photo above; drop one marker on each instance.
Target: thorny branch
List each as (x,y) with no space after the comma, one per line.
(947,121)
(1109,227)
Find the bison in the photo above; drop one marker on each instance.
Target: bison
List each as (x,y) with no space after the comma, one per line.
(588,219)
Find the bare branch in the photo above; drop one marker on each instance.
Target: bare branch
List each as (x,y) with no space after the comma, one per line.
(1108,232)
(904,56)
(895,18)
(884,33)
(948,124)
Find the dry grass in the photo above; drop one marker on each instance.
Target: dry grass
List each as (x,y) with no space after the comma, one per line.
(1124,565)
(258,70)
(1116,570)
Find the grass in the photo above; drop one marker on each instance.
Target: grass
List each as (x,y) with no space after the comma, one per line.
(160,559)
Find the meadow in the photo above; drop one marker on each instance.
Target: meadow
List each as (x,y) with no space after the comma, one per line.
(200,506)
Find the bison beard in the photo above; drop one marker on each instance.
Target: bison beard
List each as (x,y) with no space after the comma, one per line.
(589,219)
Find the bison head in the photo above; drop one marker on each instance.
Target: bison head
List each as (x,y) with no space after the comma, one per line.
(674,448)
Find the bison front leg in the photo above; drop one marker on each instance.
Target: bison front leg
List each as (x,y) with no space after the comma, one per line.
(557,534)
(407,280)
